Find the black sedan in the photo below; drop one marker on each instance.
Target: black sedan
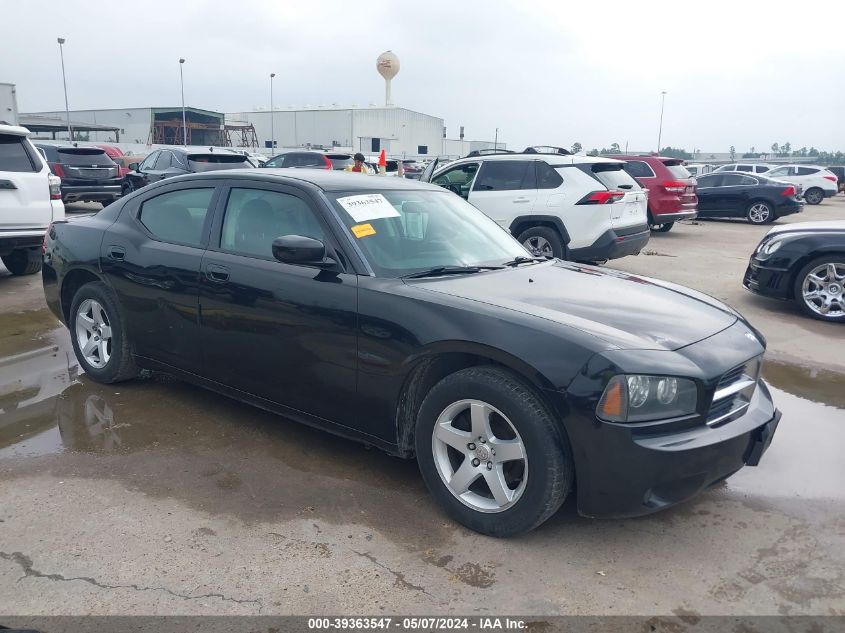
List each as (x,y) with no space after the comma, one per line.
(805,263)
(178,161)
(756,198)
(393,312)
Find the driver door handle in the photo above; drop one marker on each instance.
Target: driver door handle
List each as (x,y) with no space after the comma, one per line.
(217,273)
(521,200)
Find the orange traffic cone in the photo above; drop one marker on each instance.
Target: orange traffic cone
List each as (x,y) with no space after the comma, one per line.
(382,159)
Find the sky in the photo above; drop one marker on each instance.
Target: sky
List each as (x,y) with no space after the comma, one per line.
(746,74)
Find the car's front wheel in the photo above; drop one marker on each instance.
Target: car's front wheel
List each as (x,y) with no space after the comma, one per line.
(814,195)
(820,288)
(543,241)
(98,333)
(491,452)
(759,213)
(24,261)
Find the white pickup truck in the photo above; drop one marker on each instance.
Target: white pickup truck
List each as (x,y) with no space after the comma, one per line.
(30,199)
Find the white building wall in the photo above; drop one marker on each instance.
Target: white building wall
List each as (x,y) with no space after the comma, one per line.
(457,148)
(8,104)
(402,132)
(134,123)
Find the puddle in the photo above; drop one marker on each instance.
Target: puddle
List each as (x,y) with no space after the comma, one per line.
(173,440)
(23,331)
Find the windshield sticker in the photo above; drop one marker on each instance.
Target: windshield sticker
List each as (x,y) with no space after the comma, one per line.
(370,206)
(363,230)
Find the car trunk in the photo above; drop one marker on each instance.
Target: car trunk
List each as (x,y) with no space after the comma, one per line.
(630,210)
(686,183)
(89,165)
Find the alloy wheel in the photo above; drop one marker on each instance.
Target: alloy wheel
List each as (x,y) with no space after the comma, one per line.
(823,289)
(759,213)
(540,246)
(480,456)
(93,333)
(813,197)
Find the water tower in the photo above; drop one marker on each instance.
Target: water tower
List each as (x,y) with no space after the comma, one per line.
(387,66)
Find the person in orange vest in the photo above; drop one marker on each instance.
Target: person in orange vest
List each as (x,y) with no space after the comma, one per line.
(358,166)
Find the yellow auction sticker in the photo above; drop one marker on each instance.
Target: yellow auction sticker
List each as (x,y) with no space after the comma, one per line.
(363,230)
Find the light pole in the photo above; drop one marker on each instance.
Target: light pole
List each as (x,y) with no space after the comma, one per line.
(496,140)
(272,122)
(61,41)
(660,130)
(184,121)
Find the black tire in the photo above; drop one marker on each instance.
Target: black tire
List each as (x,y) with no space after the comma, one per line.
(798,284)
(550,474)
(24,261)
(661,228)
(760,212)
(538,234)
(121,365)
(814,195)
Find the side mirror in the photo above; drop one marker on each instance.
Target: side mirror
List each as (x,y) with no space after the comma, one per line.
(134,166)
(298,249)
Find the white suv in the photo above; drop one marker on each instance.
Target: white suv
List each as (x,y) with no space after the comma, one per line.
(30,199)
(817,182)
(573,207)
(750,168)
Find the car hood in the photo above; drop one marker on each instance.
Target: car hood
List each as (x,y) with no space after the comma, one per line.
(804,227)
(626,311)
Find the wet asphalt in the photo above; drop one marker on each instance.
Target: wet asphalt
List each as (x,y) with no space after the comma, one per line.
(154,496)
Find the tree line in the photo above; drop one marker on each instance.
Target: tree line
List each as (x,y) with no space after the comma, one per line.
(777,151)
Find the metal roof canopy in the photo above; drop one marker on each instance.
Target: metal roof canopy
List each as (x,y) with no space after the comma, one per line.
(37,124)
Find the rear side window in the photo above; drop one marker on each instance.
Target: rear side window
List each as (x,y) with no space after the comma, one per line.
(614,177)
(710,181)
(761,169)
(14,155)
(505,175)
(806,171)
(731,180)
(83,156)
(743,168)
(547,176)
(748,180)
(780,171)
(178,216)
(209,162)
(639,169)
(304,160)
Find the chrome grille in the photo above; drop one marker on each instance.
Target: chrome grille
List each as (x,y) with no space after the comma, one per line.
(734,392)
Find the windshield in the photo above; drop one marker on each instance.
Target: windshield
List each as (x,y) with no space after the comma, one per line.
(403,232)
(87,157)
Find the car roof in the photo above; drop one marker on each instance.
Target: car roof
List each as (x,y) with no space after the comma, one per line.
(325,179)
(557,159)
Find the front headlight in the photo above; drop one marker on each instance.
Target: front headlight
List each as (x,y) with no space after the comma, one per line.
(771,246)
(641,398)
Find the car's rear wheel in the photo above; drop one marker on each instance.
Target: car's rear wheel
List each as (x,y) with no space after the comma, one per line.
(814,195)
(491,452)
(759,213)
(543,241)
(820,288)
(98,333)
(665,227)
(24,261)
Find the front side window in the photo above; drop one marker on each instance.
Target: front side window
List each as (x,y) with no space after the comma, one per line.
(256,217)
(149,161)
(163,161)
(458,179)
(639,169)
(780,171)
(743,168)
(177,216)
(505,175)
(410,231)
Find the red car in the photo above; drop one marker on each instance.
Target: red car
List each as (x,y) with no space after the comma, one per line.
(115,153)
(671,188)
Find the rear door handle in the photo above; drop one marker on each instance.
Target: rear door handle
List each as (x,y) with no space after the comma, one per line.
(7,184)
(216,272)
(521,200)
(117,253)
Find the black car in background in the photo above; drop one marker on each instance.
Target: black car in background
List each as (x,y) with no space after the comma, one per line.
(306,159)
(393,312)
(839,171)
(803,262)
(754,197)
(87,173)
(177,161)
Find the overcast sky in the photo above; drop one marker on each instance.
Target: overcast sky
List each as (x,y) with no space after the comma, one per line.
(736,73)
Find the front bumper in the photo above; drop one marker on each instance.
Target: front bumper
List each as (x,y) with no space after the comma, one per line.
(91,192)
(767,280)
(613,244)
(632,474)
